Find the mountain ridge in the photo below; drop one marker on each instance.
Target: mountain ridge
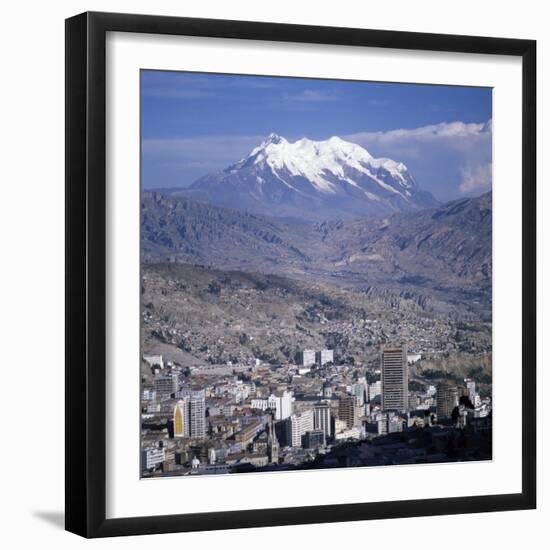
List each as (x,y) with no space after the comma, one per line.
(437,254)
(312,180)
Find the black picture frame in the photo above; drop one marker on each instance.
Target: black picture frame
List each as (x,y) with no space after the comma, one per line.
(86,274)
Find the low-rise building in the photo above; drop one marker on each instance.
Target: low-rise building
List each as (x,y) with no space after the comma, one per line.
(151,457)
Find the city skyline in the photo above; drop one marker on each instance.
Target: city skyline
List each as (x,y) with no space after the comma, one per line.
(299,426)
(313,302)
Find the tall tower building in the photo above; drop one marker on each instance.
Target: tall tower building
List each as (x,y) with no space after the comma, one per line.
(281,404)
(197,416)
(471,390)
(447,400)
(165,385)
(181,418)
(359,390)
(395,378)
(297,425)
(195,405)
(347,410)
(321,419)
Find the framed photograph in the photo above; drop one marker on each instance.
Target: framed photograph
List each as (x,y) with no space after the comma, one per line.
(300,274)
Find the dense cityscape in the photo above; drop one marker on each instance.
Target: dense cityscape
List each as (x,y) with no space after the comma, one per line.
(313,413)
(316,283)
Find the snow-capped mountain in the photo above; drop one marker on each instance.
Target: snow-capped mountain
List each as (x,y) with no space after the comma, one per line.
(313,180)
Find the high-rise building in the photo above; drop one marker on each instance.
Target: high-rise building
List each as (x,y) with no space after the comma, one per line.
(324,356)
(165,385)
(395,378)
(197,417)
(281,404)
(297,425)
(375,389)
(359,391)
(181,418)
(347,411)
(196,404)
(447,400)
(322,419)
(471,389)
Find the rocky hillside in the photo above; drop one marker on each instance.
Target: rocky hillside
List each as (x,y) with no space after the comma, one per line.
(435,256)
(196,315)
(448,247)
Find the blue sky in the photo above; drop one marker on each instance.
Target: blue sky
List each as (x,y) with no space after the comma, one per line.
(196,123)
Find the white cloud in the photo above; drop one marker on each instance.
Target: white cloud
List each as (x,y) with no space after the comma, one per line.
(435,132)
(449,159)
(477,179)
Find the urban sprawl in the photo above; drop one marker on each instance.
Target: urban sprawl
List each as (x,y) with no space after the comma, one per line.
(314,413)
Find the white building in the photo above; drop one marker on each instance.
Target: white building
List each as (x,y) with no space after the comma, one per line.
(195,402)
(212,456)
(297,426)
(359,391)
(235,388)
(261,404)
(281,404)
(149,395)
(153,408)
(324,356)
(154,360)
(471,389)
(197,417)
(308,358)
(389,423)
(482,411)
(348,433)
(152,457)
(375,389)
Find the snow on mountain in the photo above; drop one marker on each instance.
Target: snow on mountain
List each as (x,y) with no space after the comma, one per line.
(314,159)
(313,180)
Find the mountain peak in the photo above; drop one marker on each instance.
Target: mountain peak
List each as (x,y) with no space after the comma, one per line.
(273,138)
(323,179)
